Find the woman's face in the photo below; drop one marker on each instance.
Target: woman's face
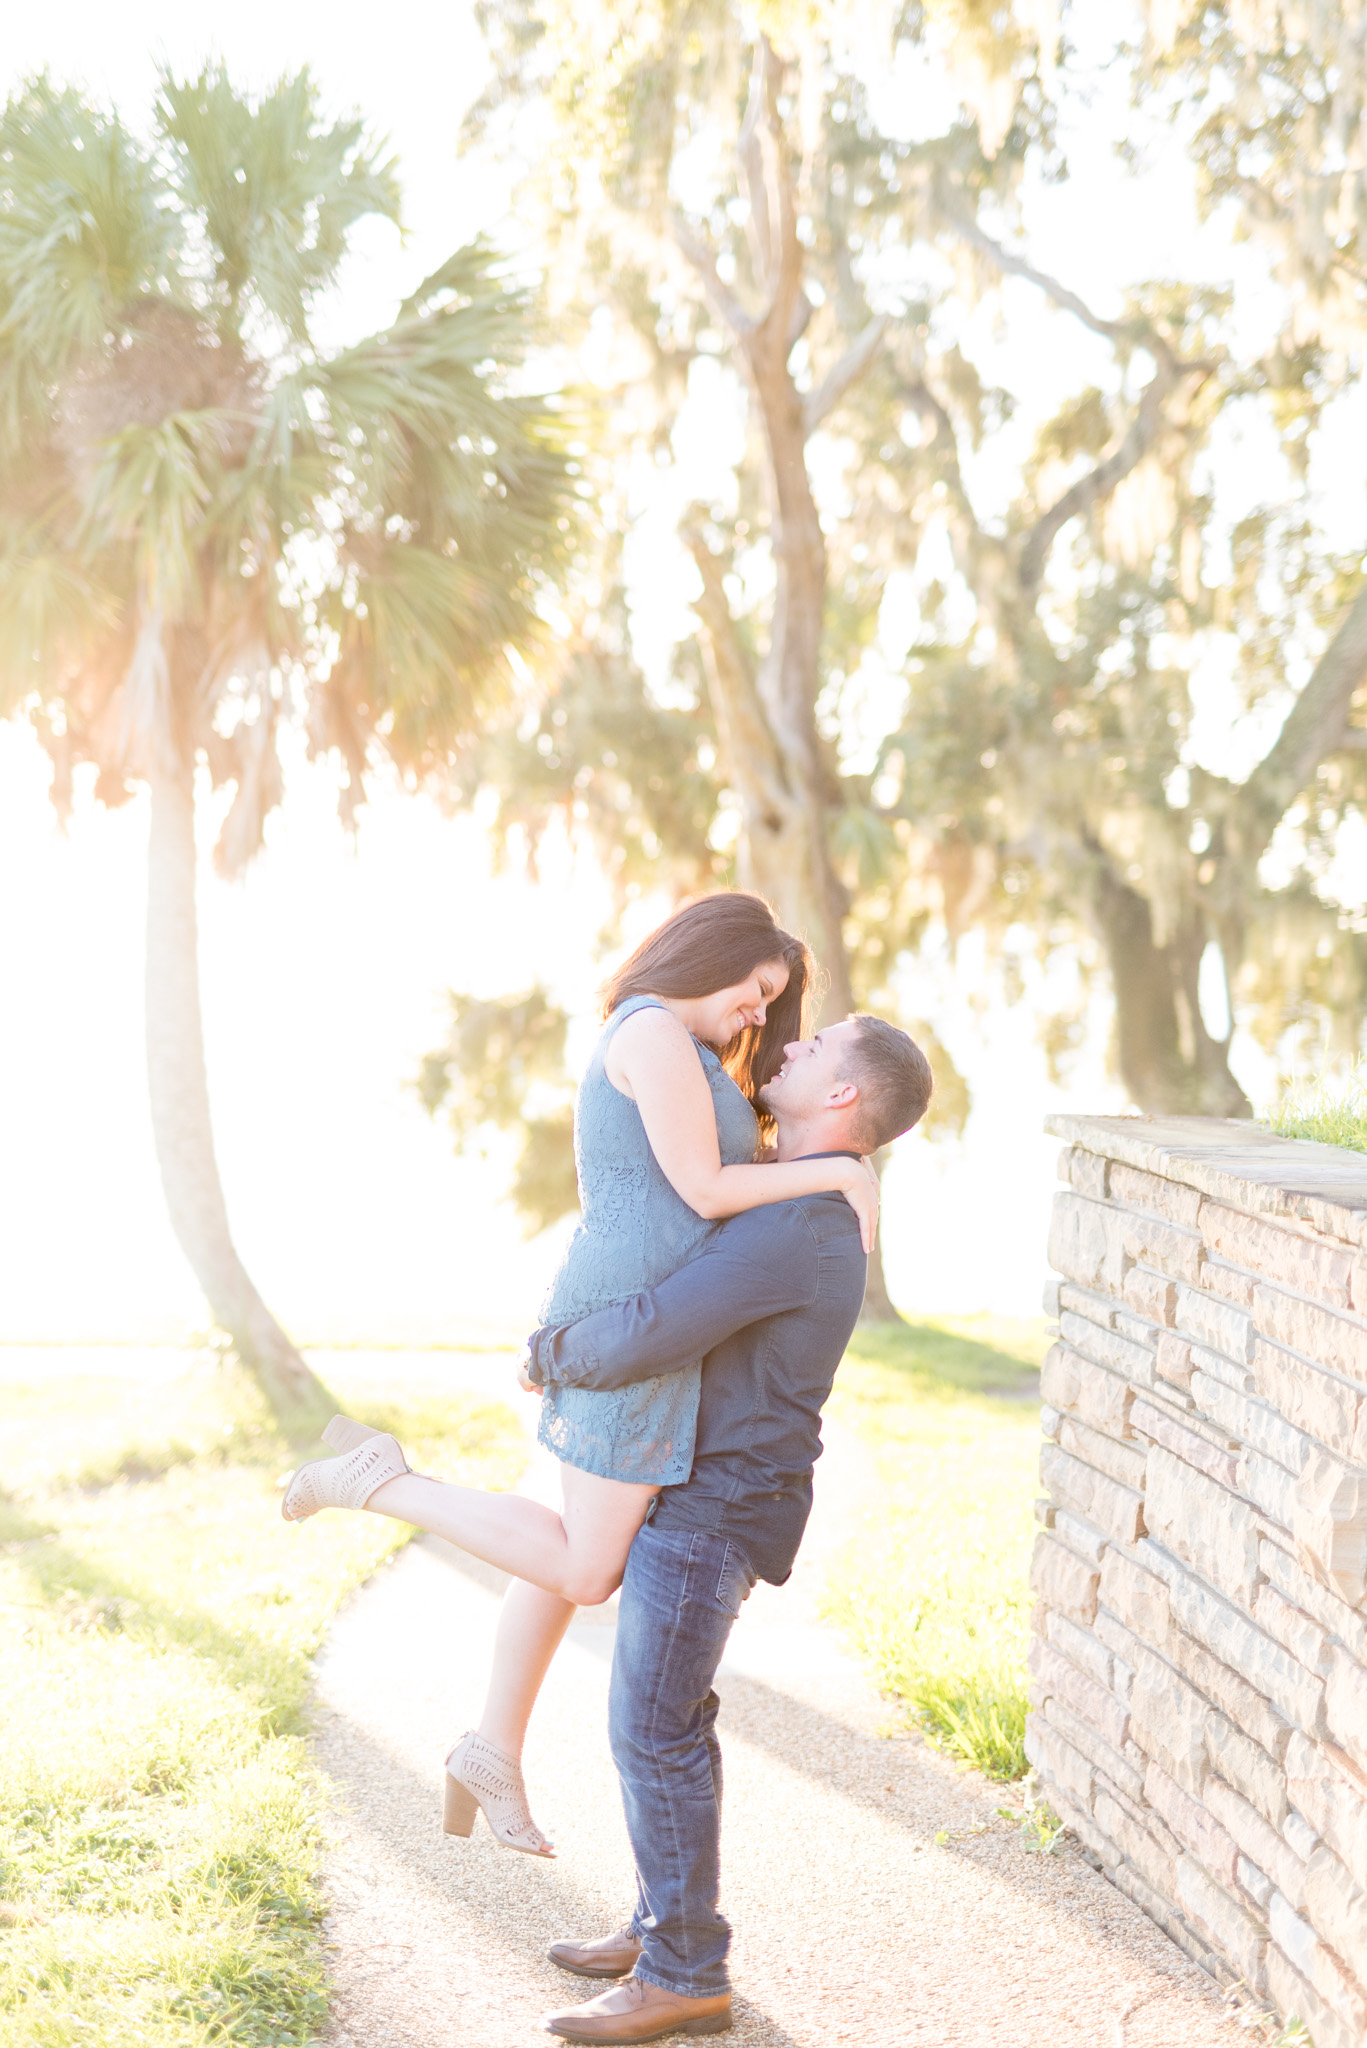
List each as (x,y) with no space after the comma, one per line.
(721,1017)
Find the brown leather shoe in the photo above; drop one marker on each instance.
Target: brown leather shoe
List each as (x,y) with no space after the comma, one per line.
(612,1955)
(638,2011)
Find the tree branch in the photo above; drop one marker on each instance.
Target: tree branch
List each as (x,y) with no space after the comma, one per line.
(1067,301)
(922,399)
(750,151)
(1100,482)
(774,246)
(784,283)
(1316,726)
(723,302)
(1170,370)
(841,375)
(803,310)
(752,755)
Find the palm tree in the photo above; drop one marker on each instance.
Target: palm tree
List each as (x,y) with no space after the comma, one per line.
(209,528)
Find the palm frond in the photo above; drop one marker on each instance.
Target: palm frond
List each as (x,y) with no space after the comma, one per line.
(412,397)
(282,487)
(279,190)
(85,232)
(429,430)
(467,276)
(429,637)
(260,787)
(150,489)
(51,606)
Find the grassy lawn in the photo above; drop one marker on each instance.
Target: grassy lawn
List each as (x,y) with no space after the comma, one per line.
(1334,1113)
(933,1592)
(158,1817)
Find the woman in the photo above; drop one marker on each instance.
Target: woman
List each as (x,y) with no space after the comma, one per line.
(666,1136)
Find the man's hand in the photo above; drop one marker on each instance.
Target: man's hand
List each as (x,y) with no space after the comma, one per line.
(524,1379)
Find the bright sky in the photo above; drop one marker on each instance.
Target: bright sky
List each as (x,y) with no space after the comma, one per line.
(323,972)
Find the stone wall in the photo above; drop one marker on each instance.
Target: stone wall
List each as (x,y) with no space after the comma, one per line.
(1199,1657)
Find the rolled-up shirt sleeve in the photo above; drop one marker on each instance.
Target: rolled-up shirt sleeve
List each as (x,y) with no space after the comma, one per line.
(756,1265)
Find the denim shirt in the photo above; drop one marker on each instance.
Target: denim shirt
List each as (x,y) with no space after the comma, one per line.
(769,1302)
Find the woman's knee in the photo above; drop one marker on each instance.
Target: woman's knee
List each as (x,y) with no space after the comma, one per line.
(589,1583)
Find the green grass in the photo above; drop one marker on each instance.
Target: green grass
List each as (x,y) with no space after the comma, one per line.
(933,1591)
(158,1816)
(1333,1113)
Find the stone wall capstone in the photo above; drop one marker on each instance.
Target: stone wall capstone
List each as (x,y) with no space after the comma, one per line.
(1199,1650)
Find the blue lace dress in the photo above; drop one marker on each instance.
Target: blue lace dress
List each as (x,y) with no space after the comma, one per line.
(633,1233)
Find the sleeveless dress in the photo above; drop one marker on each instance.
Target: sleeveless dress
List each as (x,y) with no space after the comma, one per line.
(634,1232)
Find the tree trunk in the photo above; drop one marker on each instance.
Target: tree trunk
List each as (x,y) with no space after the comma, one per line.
(792,863)
(1167,1059)
(785,854)
(766,717)
(806,888)
(767,721)
(782,843)
(879,1306)
(178,1087)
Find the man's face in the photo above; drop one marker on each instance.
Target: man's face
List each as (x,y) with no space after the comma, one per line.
(810,1080)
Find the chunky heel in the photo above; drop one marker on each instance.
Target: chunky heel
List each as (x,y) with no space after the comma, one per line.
(488,1778)
(458,1808)
(342,1434)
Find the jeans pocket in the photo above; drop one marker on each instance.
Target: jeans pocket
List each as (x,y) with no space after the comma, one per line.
(735,1581)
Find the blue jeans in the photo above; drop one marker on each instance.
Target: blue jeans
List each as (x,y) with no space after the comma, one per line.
(680,1595)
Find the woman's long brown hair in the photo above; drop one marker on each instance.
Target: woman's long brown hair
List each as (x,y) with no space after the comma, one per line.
(714,942)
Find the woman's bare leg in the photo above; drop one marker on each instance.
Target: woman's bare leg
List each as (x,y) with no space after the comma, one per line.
(532,1624)
(579,1555)
(531,1628)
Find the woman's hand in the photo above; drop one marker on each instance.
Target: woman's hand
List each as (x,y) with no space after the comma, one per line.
(527,1384)
(863,1193)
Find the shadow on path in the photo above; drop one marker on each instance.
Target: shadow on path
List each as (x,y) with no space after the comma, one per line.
(853,1925)
(898,1778)
(475,1919)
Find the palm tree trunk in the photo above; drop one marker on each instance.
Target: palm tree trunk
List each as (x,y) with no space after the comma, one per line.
(181,1127)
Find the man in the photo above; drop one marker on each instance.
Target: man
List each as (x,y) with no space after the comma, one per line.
(769,1305)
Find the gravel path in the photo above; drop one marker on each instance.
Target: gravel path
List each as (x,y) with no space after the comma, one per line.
(852,1924)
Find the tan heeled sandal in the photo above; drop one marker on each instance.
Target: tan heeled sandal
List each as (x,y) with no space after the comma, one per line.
(347,1481)
(478,1775)
(345,1435)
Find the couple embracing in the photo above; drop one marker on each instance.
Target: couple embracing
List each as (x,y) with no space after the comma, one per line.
(689,1342)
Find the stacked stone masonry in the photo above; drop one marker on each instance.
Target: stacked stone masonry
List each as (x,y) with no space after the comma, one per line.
(1199,1650)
